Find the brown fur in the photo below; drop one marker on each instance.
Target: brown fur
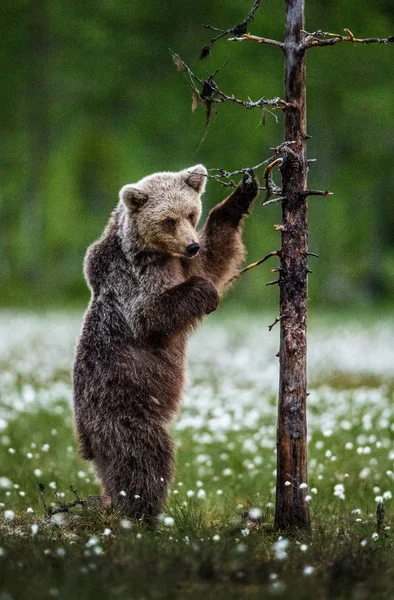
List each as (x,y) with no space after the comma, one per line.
(147,296)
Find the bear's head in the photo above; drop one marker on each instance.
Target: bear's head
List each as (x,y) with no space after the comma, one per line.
(164,210)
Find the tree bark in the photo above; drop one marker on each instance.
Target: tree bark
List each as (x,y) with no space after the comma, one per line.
(292,510)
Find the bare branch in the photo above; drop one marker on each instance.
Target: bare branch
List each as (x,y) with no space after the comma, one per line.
(313,254)
(324,38)
(63,508)
(277,319)
(229,174)
(253,265)
(273,200)
(271,187)
(316,193)
(237,30)
(277,281)
(259,40)
(284,147)
(208,92)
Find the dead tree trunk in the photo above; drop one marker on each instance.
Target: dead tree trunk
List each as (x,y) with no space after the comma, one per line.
(291,506)
(292,510)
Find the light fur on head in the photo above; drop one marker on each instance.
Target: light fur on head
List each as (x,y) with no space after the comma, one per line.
(156,200)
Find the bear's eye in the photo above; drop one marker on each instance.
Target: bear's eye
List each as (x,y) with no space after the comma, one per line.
(170,222)
(191,217)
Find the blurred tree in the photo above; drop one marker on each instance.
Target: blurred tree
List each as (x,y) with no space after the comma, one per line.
(90,101)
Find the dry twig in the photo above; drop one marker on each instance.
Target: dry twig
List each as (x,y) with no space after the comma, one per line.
(253,265)
(324,38)
(277,319)
(271,188)
(63,508)
(259,40)
(237,30)
(307,193)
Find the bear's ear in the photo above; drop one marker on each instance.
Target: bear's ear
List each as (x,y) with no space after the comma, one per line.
(195,177)
(132,197)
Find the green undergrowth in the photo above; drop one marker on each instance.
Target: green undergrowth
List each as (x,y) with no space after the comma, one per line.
(205,544)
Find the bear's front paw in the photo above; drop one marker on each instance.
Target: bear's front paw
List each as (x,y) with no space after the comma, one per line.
(206,291)
(246,191)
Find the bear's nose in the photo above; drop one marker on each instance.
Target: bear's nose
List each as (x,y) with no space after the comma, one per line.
(192,249)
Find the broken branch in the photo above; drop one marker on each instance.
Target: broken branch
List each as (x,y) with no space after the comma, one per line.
(277,319)
(316,193)
(324,38)
(259,40)
(63,508)
(270,186)
(277,281)
(253,265)
(237,30)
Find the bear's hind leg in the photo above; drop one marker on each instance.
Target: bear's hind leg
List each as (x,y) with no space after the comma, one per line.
(138,476)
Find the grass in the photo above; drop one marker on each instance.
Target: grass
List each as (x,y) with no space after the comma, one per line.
(206,546)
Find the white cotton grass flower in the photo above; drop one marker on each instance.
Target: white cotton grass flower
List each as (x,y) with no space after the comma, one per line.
(58,518)
(308,570)
(9,515)
(190,493)
(364,473)
(91,542)
(122,493)
(279,548)
(375,536)
(107,531)
(287,483)
(303,486)
(219,492)
(387,495)
(255,514)
(1,551)
(216,538)
(201,494)
(168,521)
(126,524)
(34,528)
(339,491)
(303,547)
(29,510)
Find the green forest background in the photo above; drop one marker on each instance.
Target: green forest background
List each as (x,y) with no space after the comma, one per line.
(90,100)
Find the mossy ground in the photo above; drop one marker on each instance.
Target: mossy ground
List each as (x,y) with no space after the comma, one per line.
(205,545)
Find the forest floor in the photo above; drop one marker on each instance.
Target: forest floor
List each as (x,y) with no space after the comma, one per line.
(215,538)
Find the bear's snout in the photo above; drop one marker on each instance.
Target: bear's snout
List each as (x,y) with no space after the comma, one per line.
(192,249)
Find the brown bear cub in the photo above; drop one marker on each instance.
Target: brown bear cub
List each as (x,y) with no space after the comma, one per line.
(153,277)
